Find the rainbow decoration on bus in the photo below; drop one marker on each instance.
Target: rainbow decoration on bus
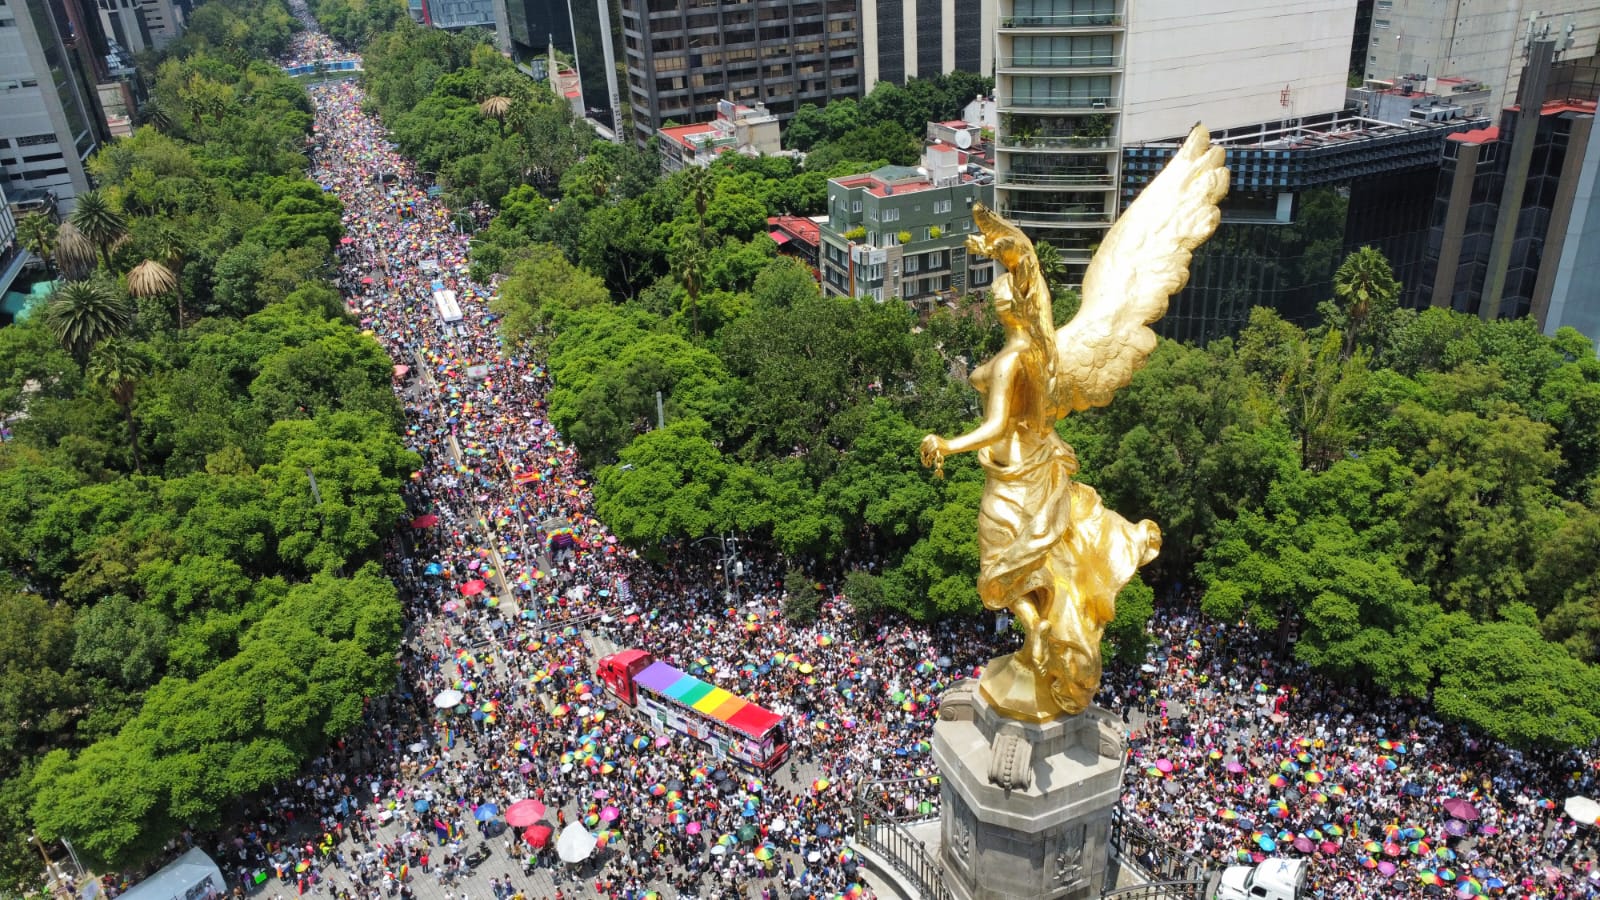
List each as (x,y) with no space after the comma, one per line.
(686,690)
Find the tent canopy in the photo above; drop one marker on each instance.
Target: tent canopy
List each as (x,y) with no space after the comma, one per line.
(192,876)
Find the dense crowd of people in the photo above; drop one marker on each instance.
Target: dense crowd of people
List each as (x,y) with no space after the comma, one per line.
(512,589)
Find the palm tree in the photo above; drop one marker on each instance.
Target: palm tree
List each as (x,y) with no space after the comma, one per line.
(152,279)
(496,108)
(74,252)
(1366,288)
(100,222)
(37,233)
(116,367)
(82,314)
(156,115)
(173,254)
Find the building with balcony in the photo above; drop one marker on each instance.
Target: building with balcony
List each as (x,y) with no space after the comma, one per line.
(12,256)
(926,38)
(1076,80)
(686,56)
(798,236)
(53,55)
(901,232)
(748,130)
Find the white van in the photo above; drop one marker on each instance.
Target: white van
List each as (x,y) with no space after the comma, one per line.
(1272,879)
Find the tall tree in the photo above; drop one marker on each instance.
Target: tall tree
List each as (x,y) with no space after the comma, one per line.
(100,221)
(38,233)
(116,367)
(81,314)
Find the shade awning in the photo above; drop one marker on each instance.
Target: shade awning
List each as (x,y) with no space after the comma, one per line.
(778,237)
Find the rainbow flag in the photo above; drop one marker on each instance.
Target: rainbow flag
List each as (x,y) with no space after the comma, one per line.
(527,477)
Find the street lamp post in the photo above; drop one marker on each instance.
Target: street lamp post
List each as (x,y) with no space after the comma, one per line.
(730,564)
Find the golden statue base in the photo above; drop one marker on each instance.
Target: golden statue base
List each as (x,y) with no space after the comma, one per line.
(1017,691)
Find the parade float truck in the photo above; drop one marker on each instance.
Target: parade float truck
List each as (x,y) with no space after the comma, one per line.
(1271,879)
(678,703)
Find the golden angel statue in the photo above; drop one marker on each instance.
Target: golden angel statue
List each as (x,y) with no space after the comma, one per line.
(1049,551)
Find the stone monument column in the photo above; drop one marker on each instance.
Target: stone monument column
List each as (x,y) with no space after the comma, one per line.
(1027,806)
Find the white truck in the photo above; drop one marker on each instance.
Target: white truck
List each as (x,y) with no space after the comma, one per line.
(1271,879)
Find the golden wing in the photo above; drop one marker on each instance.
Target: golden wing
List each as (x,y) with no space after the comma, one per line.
(1143,261)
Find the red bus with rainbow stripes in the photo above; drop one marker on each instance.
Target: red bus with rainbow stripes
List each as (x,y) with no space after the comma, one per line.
(675,701)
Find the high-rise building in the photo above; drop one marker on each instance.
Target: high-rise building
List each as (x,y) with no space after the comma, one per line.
(124,23)
(52,56)
(164,19)
(1303,193)
(686,56)
(1516,216)
(1075,80)
(581,29)
(925,38)
(1477,42)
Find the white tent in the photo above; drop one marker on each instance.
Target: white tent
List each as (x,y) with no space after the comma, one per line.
(575,844)
(192,876)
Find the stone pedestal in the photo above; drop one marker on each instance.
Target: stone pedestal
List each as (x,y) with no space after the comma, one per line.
(1027,806)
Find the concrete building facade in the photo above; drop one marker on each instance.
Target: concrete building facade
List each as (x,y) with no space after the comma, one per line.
(1474,41)
(582,29)
(1076,80)
(748,130)
(686,56)
(1516,220)
(926,38)
(900,232)
(52,56)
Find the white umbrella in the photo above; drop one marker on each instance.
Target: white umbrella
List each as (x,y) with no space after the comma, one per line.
(575,844)
(1582,809)
(779,824)
(448,699)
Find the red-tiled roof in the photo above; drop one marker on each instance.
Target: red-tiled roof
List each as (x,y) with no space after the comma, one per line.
(1477,135)
(797,227)
(681,133)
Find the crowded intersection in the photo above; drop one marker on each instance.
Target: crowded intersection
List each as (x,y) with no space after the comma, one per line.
(503,765)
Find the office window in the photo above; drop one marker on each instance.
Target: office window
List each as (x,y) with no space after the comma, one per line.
(1380,23)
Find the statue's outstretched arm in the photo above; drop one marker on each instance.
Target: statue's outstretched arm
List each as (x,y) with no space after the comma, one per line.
(997,417)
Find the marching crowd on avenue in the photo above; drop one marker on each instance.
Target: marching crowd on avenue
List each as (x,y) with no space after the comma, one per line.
(512,589)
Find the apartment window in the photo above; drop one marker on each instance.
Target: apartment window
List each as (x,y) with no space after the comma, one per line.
(1373,58)
(30,82)
(855,206)
(891,215)
(1380,24)
(941,206)
(1375,41)
(935,259)
(1385,5)
(911,265)
(8,23)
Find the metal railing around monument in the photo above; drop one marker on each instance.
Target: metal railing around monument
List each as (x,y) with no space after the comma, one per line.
(1155,859)
(882,829)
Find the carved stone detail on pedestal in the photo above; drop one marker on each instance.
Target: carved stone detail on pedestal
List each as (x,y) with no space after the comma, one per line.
(1069,857)
(1011,766)
(1027,805)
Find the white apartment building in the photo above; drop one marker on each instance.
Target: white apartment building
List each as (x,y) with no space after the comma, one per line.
(1075,80)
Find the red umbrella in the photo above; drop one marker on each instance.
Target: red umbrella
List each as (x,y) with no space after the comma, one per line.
(347,240)
(473,587)
(538,835)
(524,813)
(1460,809)
(367,280)
(427,521)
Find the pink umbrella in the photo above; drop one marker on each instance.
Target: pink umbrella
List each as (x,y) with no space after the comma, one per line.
(1329,847)
(610,814)
(473,587)
(1386,867)
(1164,765)
(524,813)
(427,521)
(1234,767)
(1304,845)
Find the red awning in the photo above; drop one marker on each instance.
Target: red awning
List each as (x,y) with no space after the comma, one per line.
(753,720)
(778,237)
